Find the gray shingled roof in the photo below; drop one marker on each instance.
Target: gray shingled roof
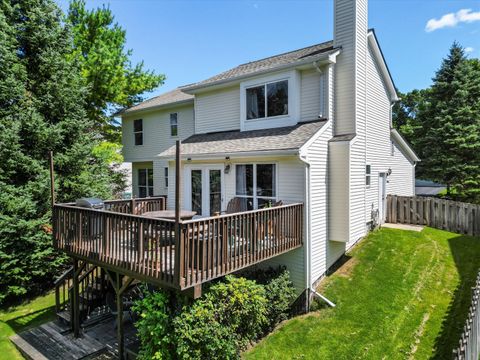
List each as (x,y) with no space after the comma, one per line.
(230,142)
(267,63)
(169,98)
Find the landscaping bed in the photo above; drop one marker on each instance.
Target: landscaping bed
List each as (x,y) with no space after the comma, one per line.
(401,295)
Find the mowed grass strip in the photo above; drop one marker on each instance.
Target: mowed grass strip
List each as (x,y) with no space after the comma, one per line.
(18,318)
(405,296)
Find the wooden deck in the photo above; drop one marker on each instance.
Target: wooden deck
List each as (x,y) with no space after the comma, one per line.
(54,341)
(178,255)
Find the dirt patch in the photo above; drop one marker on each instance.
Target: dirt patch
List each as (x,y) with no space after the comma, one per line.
(346,269)
(343,268)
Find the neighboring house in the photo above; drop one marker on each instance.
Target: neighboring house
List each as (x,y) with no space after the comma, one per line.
(312,125)
(428,188)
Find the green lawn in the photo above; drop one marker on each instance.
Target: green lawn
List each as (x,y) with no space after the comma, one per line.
(18,318)
(401,295)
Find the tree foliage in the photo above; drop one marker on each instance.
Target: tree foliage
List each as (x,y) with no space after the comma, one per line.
(42,108)
(443,124)
(113,81)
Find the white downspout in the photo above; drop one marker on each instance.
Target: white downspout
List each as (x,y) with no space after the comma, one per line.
(308,245)
(308,242)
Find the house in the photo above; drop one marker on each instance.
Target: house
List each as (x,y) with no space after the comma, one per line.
(312,125)
(285,160)
(428,188)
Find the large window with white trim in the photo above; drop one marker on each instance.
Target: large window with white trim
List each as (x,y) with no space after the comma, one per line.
(267,100)
(256,184)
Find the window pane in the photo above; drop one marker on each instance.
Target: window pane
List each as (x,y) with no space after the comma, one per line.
(215,191)
(142,177)
(197,191)
(139,138)
(173,124)
(142,191)
(137,125)
(150,191)
(264,203)
(277,94)
(150,177)
(255,102)
(368,169)
(244,180)
(266,180)
(367,180)
(166,176)
(173,130)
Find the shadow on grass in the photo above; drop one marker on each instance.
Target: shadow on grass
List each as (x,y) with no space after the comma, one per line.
(32,319)
(466,254)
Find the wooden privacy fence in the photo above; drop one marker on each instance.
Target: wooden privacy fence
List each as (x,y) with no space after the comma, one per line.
(469,343)
(442,214)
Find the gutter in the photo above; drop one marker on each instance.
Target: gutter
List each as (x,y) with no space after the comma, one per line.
(213,156)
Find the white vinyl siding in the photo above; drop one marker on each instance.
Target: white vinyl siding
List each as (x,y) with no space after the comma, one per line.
(402,180)
(318,157)
(217,110)
(311,90)
(156,132)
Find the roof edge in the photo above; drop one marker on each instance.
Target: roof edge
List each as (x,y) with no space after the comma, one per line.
(404,144)
(232,155)
(194,88)
(155,107)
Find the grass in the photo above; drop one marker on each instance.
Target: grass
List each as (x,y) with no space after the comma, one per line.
(21,317)
(402,295)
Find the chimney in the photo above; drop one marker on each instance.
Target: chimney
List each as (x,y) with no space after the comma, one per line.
(350,33)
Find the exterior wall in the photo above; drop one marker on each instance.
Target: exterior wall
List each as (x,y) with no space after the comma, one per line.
(156,132)
(402,180)
(311,88)
(291,189)
(217,110)
(135,167)
(159,186)
(318,159)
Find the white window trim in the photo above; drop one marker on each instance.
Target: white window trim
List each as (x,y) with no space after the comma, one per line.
(293,78)
(137,132)
(148,185)
(205,186)
(170,123)
(255,197)
(368,175)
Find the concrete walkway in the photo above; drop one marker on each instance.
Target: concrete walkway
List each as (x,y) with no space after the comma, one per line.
(417,228)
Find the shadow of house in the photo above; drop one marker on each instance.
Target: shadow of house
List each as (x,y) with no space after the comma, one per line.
(466,254)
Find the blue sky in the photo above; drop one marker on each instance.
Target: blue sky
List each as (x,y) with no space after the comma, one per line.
(191,40)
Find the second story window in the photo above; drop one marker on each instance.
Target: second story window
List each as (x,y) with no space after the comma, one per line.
(165,174)
(138,131)
(174,124)
(267,100)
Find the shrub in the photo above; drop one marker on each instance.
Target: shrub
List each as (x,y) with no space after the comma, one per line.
(231,314)
(154,325)
(200,335)
(279,291)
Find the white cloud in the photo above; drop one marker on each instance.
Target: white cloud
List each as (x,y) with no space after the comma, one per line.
(452,19)
(469,49)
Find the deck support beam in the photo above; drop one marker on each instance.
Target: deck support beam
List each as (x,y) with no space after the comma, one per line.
(119,285)
(77,269)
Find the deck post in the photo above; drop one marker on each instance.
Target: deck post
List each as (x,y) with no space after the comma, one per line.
(178,250)
(76,300)
(120,334)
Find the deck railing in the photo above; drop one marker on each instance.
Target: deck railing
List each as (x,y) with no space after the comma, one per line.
(149,249)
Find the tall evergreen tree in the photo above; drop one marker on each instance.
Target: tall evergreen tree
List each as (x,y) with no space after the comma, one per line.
(449,139)
(113,81)
(42,108)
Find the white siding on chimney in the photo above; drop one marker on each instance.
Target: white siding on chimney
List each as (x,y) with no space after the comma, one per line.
(318,158)
(217,110)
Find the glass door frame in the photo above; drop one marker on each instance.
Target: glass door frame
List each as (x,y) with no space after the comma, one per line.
(205,169)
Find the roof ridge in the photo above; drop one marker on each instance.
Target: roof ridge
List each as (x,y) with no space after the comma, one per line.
(284,53)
